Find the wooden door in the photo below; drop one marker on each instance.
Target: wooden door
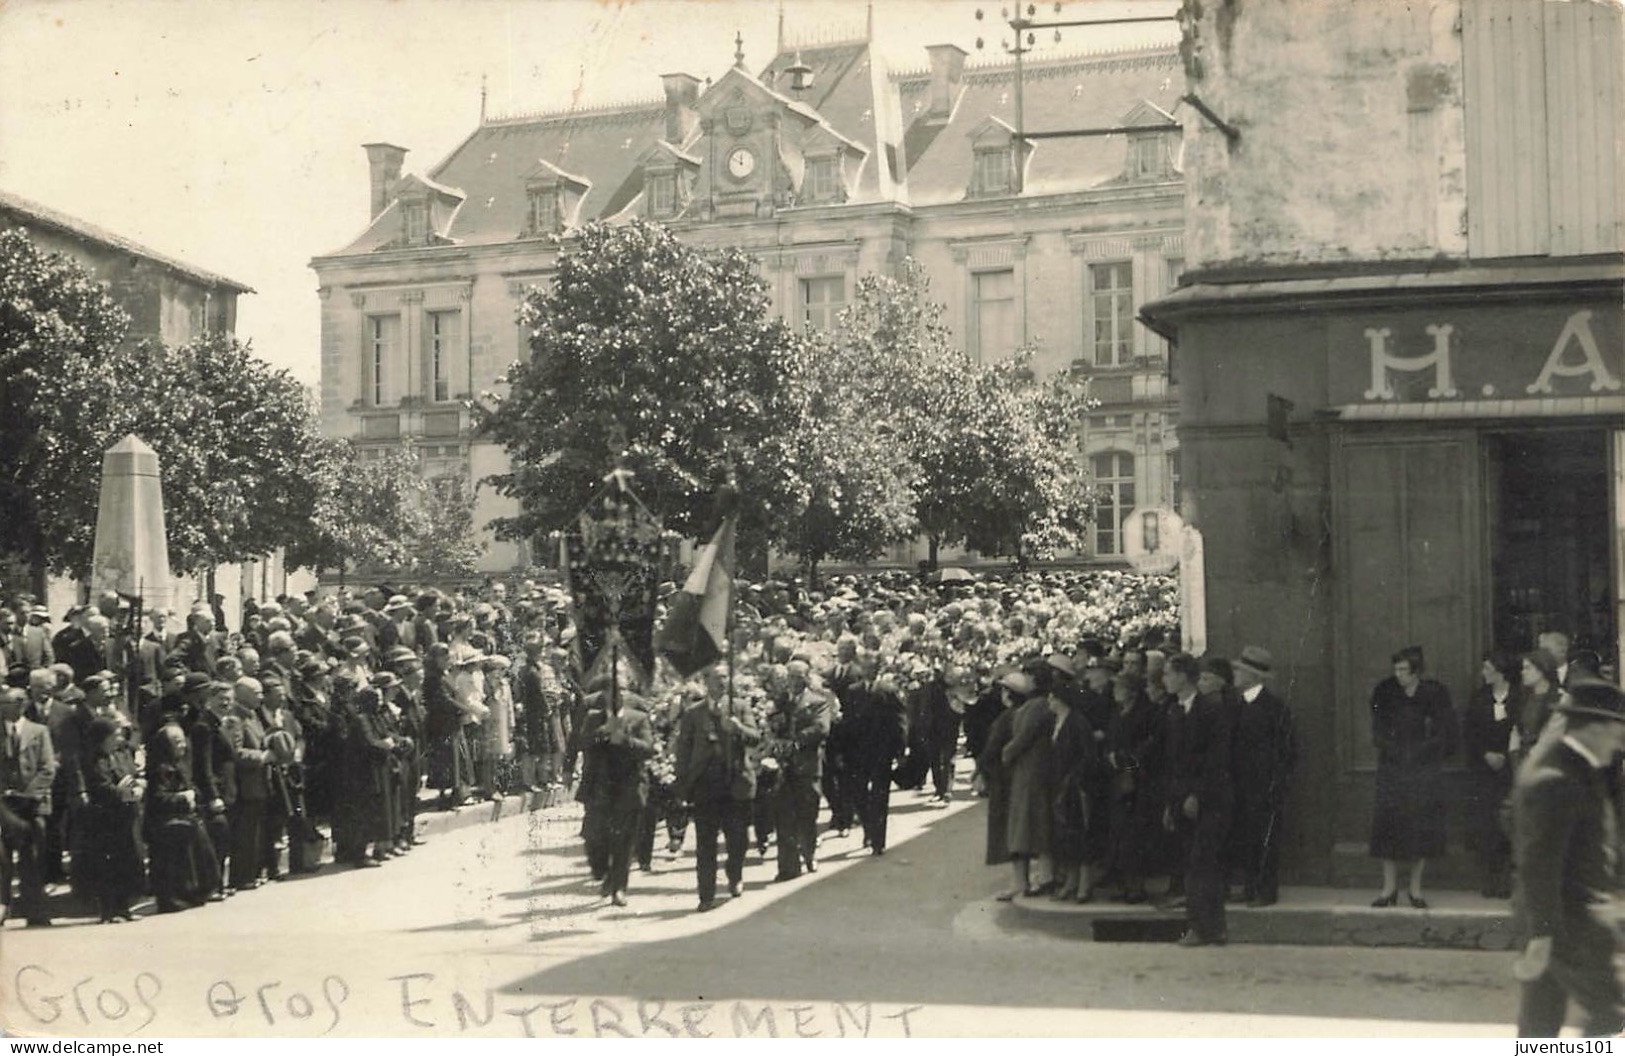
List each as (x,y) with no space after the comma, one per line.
(1408,526)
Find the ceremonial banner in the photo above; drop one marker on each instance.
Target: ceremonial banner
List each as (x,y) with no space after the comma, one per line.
(695,634)
(614,562)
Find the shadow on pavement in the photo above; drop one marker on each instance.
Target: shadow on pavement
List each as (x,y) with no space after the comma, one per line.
(884,932)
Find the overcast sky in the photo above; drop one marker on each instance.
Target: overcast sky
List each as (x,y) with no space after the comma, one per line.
(228,132)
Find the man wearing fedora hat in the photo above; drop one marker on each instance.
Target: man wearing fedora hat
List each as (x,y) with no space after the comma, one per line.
(1266,750)
(1564,829)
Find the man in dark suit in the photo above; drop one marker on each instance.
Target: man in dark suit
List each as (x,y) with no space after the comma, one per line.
(716,777)
(798,726)
(618,739)
(840,764)
(1200,793)
(27,771)
(881,738)
(1564,821)
(197,645)
(247,734)
(1266,750)
(214,770)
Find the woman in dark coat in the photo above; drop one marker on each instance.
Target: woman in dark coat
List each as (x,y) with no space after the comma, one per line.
(1074,763)
(115,787)
(1541,690)
(1032,796)
(364,790)
(1134,756)
(1413,725)
(994,777)
(1487,728)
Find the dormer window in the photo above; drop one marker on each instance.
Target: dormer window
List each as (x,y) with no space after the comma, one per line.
(1148,157)
(663,194)
(822,182)
(545,215)
(415,223)
(992,171)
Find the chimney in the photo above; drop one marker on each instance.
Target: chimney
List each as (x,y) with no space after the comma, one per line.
(682,92)
(383,169)
(947,64)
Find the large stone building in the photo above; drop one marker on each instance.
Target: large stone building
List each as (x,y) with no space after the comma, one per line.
(168,300)
(824,166)
(1409,257)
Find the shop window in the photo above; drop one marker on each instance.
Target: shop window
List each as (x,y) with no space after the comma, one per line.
(1114,481)
(822,300)
(993,313)
(1110,303)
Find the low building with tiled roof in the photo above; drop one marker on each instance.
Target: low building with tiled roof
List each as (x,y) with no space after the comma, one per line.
(167,299)
(824,165)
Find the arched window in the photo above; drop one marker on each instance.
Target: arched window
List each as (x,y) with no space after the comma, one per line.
(1114,480)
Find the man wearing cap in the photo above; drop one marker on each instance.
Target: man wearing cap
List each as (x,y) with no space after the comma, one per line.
(1266,750)
(398,628)
(36,649)
(73,629)
(1564,832)
(1201,793)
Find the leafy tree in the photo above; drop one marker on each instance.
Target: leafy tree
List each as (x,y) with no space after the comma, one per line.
(380,513)
(237,441)
(59,337)
(669,346)
(447,544)
(1030,496)
(854,491)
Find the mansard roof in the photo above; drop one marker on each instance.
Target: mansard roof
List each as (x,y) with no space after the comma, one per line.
(852,98)
(1083,91)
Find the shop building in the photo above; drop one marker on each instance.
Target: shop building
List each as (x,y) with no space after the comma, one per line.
(1400,354)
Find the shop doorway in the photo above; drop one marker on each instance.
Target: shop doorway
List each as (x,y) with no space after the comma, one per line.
(1552,537)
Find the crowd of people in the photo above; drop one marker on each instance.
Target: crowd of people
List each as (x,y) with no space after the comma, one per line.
(145,755)
(194,764)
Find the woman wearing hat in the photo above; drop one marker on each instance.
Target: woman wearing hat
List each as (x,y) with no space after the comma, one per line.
(1074,764)
(1487,729)
(1413,725)
(498,727)
(1012,762)
(115,788)
(1134,757)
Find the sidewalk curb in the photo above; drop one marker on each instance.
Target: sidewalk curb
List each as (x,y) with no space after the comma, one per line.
(1451,928)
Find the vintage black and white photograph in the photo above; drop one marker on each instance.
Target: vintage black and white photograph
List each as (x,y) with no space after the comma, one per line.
(811,518)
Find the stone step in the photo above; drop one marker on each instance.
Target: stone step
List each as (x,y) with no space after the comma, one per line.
(1304,916)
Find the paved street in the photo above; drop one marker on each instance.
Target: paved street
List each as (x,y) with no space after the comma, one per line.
(494,929)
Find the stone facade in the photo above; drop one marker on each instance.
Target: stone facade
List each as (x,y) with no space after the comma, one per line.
(168,300)
(843,174)
(1401,325)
